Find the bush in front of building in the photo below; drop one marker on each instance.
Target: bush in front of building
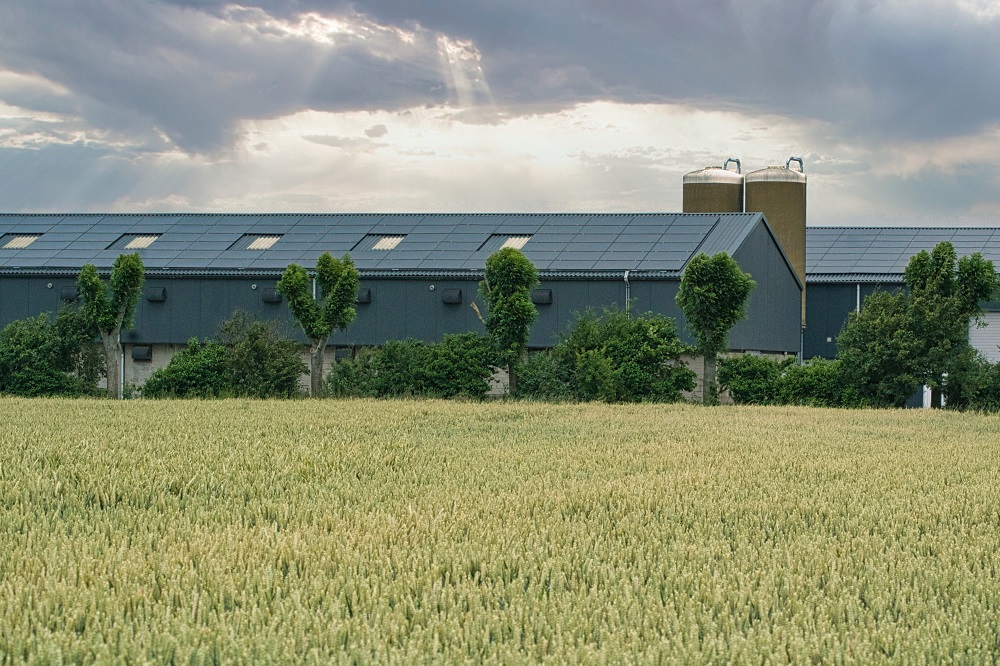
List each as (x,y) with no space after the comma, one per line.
(197,371)
(611,356)
(751,379)
(541,378)
(251,359)
(45,356)
(818,383)
(757,380)
(458,366)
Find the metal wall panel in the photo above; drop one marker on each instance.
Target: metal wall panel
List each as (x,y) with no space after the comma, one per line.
(987,339)
(774,310)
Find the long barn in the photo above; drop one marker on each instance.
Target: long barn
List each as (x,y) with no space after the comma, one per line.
(419,273)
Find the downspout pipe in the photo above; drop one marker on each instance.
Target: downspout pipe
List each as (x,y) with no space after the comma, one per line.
(628,294)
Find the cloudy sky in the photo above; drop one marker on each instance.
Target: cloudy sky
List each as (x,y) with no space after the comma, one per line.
(480,105)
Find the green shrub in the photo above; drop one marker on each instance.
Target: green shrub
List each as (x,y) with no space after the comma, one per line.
(757,380)
(818,383)
(197,371)
(459,365)
(41,356)
(611,356)
(263,362)
(751,380)
(539,378)
(975,385)
(251,359)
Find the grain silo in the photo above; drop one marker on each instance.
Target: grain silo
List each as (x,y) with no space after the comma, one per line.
(780,193)
(714,190)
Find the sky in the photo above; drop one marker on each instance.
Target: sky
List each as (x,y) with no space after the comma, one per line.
(487,106)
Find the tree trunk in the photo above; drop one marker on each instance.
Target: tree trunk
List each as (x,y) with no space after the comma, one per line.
(709,389)
(511,380)
(316,354)
(113,356)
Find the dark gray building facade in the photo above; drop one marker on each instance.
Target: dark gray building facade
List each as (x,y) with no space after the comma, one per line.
(419,273)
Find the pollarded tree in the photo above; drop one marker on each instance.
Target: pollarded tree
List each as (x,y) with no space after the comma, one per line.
(338,282)
(110,314)
(713,296)
(506,287)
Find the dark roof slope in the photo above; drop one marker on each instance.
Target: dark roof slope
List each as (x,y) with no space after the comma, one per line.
(656,243)
(880,254)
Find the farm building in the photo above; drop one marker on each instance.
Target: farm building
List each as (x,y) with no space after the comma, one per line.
(845,265)
(419,273)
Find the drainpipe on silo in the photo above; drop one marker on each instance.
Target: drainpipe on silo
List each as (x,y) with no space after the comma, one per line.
(628,295)
(121,376)
(314,288)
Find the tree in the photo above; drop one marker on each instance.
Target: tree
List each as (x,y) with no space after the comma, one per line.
(506,287)
(919,336)
(877,349)
(338,282)
(616,357)
(713,296)
(40,356)
(943,298)
(111,314)
(251,359)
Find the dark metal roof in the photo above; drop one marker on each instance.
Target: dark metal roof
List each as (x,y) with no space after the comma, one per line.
(649,244)
(880,254)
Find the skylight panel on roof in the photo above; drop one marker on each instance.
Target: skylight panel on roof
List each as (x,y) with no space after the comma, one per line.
(500,241)
(382,242)
(255,242)
(134,242)
(17,241)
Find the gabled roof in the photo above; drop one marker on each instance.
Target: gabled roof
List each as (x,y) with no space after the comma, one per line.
(657,244)
(880,254)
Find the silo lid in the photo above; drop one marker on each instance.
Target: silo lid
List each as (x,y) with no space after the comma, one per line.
(713,174)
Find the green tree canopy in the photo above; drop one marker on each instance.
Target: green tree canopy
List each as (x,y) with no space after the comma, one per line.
(713,296)
(918,336)
(114,312)
(506,288)
(338,282)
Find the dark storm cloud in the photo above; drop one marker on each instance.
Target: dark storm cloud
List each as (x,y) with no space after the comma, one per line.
(192,78)
(193,68)
(913,69)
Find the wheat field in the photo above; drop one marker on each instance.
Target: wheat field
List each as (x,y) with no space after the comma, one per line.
(436,532)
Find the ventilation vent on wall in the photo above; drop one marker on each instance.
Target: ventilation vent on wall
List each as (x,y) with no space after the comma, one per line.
(156,294)
(69,293)
(382,242)
(500,241)
(134,242)
(142,353)
(451,296)
(364,296)
(17,241)
(270,295)
(541,296)
(255,242)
